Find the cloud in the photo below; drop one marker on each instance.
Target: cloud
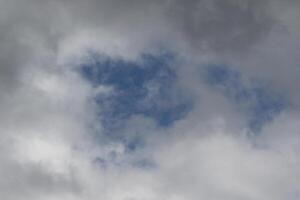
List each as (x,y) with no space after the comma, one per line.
(222,166)
(221,25)
(54,144)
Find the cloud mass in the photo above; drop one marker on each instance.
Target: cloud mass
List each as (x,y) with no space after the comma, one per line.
(149,100)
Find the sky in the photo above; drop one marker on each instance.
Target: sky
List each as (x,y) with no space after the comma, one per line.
(149,100)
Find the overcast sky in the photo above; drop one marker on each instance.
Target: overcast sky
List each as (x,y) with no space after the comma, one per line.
(149,100)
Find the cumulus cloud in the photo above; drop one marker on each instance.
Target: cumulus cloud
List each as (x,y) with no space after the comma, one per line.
(55,145)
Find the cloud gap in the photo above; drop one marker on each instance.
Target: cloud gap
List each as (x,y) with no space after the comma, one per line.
(261,104)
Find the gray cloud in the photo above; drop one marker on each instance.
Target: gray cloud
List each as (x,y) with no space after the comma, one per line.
(221,25)
(49,120)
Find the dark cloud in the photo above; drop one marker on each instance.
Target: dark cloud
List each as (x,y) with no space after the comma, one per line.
(221,25)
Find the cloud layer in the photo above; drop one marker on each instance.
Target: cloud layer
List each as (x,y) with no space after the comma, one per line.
(149,100)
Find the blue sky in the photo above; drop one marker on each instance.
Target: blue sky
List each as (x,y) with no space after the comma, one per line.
(148,87)
(130,81)
(255,99)
(145,87)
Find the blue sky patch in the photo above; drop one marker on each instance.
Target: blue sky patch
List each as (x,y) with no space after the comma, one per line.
(260,104)
(145,87)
